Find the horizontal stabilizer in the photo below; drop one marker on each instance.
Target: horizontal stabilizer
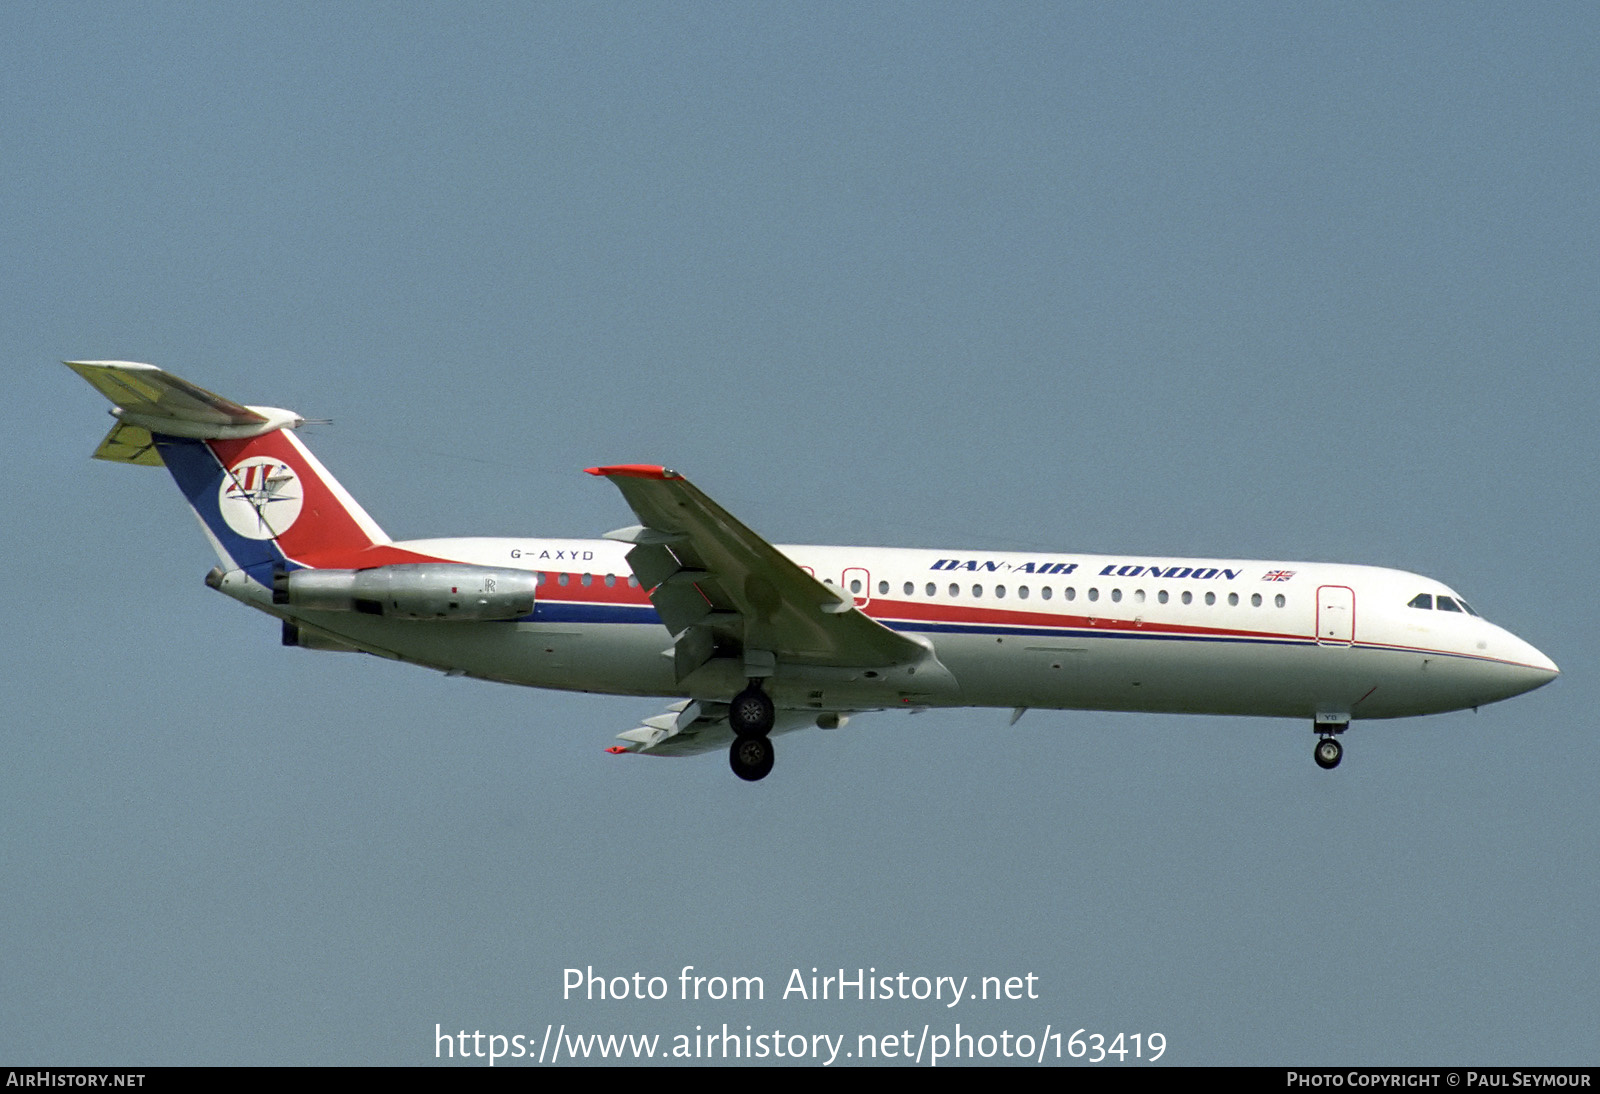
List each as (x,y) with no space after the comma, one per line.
(156,401)
(129,444)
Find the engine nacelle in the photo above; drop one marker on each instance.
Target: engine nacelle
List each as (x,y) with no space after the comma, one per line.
(436,591)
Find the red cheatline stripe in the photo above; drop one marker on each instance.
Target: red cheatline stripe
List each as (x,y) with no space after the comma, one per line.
(936,612)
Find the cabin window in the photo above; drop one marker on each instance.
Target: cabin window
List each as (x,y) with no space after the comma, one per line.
(538,578)
(1161,597)
(1116,596)
(1211,598)
(910,588)
(1045,592)
(1255,600)
(1421,600)
(1280,600)
(855,585)
(883,587)
(588,579)
(955,590)
(561,579)
(1022,592)
(633,582)
(611,580)
(1071,594)
(1094,594)
(977,590)
(1233,600)
(932,589)
(1188,598)
(1138,596)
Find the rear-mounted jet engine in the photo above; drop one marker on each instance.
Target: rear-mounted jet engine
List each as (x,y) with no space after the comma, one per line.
(420,590)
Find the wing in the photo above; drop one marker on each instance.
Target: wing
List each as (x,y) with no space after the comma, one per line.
(714,582)
(740,611)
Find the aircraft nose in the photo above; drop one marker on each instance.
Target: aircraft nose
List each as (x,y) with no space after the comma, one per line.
(1545,664)
(1533,669)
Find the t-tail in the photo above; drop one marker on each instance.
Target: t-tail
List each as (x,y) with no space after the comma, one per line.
(266,503)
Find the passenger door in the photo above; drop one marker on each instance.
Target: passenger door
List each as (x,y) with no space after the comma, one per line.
(1336,615)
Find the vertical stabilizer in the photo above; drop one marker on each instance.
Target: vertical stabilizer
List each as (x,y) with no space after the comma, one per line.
(263,499)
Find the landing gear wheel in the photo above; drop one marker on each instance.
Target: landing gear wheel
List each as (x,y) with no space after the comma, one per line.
(1328,753)
(751,757)
(751,713)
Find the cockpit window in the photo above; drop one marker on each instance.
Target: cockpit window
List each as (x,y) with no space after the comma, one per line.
(1467,606)
(1421,600)
(1448,605)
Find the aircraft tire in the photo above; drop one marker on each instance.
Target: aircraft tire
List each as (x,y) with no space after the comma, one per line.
(751,714)
(1328,753)
(751,757)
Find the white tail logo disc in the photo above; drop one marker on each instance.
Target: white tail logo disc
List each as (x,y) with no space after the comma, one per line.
(260,497)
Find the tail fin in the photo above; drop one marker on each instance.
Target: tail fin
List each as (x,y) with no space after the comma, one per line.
(265,502)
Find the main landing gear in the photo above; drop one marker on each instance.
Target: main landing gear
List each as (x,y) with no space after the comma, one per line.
(751,758)
(1329,751)
(751,716)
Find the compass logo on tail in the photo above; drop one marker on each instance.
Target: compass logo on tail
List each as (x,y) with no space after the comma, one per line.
(260,497)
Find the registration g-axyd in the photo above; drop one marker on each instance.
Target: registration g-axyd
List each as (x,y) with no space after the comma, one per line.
(749,640)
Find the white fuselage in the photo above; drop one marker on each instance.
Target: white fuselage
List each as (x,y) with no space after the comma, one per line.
(1316,640)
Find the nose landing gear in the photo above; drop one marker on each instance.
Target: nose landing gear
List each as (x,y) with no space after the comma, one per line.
(1328,751)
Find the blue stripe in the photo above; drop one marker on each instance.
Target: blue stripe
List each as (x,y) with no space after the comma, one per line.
(565,611)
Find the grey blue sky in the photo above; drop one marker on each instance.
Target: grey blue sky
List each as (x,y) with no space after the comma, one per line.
(1277,281)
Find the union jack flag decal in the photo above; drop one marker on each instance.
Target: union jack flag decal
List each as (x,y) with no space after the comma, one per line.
(1278,575)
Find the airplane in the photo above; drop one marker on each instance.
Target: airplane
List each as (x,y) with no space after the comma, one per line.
(751,640)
